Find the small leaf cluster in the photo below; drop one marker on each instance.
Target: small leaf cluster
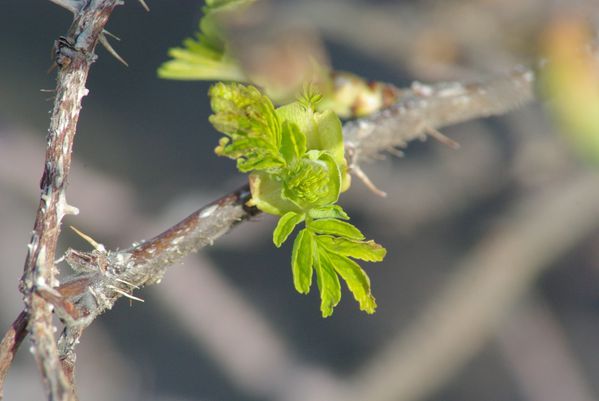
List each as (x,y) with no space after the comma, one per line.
(207,56)
(295,157)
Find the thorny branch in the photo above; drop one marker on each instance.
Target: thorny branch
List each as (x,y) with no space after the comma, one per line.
(74,56)
(102,277)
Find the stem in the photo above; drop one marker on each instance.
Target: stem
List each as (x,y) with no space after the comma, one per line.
(74,56)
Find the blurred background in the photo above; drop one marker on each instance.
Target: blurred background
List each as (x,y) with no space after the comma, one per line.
(490,290)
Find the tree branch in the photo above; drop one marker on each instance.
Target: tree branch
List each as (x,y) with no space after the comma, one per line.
(74,56)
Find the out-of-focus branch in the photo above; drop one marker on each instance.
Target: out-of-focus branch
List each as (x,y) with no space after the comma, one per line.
(489,281)
(422,109)
(105,276)
(10,343)
(74,56)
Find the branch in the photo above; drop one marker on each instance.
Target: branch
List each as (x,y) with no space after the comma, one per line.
(74,56)
(105,276)
(10,343)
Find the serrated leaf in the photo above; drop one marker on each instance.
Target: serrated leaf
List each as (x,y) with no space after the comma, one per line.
(302,259)
(328,212)
(248,119)
(368,251)
(356,279)
(285,226)
(207,55)
(293,142)
(336,228)
(328,283)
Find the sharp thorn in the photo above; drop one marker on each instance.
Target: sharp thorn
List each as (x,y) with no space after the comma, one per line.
(127,283)
(125,294)
(71,5)
(144,5)
(112,35)
(439,136)
(395,152)
(97,246)
(364,178)
(110,50)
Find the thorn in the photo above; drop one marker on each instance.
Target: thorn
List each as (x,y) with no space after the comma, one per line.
(364,178)
(396,152)
(97,246)
(71,5)
(112,35)
(125,294)
(110,49)
(127,283)
(69,209)
(439,136)
(144,5)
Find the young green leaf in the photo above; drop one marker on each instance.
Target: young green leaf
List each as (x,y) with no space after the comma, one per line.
(357,281)
(337,228)
(302,260)
(207,56)
(248,119)
(293,142)
(313,182)
(328,212)
(369,251)
(285,226)
(328,283)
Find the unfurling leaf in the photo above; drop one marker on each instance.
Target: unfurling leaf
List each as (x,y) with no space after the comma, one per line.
(248,119)
(297,168)
(285,226)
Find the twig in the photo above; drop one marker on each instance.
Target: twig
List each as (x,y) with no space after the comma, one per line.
(74,56)
(10,343)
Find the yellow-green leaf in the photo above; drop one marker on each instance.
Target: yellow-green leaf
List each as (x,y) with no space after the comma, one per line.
(285,226)
(357,281)
(302,259)
(337,228)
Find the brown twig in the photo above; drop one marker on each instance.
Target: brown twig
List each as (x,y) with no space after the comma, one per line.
(10,343)
(74,56)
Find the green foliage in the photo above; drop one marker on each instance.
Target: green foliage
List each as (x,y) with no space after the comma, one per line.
(295,157)
(207,55)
